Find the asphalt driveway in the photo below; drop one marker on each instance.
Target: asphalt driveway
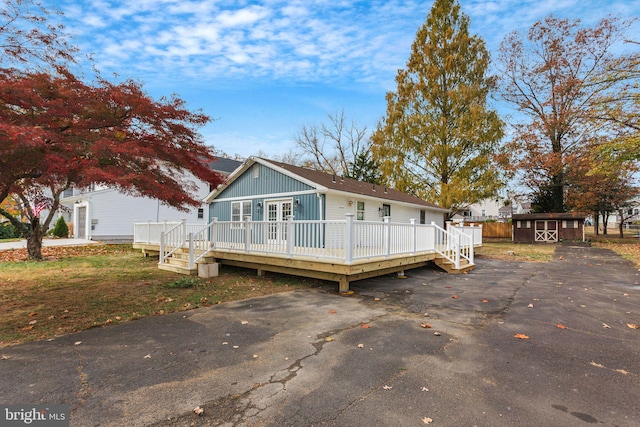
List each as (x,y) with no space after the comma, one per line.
(429,349)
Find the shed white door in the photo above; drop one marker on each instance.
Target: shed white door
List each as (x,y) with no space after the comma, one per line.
(546,231)
(277,212)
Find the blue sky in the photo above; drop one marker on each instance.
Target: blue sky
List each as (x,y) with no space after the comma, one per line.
(263,69)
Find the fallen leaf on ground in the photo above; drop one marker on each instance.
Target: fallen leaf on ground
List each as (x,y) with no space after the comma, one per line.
(633,326)
(387,387)
(198,410)
(148,356)
(4,357)
(360,345)
(561,326)
(427,420)
(376,299)
(244,322)
(530,306)
(454,296)
(604,325)
(485,300)
(597,365)
(332,312)
(255,356)
(437,334)
(77,343)
(33,322)
(521,336)
(425,325)
(424,389)
(33,314)
(622,371)
(365,325)
(329,339)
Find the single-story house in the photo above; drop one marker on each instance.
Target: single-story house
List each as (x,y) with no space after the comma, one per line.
(548,227)
(105,213)
(267,190)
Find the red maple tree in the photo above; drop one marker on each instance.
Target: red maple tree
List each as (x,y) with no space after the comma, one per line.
(59,132)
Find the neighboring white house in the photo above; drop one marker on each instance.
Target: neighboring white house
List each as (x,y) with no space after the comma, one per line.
(493,209)
(104,213)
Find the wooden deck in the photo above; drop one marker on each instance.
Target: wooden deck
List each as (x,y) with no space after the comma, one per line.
(312,267)
(340,251)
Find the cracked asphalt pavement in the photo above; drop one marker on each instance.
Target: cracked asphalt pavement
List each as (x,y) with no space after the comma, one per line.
(428,349)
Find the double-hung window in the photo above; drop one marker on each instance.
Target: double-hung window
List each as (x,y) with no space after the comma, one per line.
(240,210)
(360,211)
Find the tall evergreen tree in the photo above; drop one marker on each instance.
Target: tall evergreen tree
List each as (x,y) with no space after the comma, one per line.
(438,136)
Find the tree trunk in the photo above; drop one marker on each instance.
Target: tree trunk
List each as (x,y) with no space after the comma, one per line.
(605,222)
(621,225)
(34,240)
(596,222)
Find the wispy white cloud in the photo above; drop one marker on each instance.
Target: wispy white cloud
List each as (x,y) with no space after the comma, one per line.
(300,40)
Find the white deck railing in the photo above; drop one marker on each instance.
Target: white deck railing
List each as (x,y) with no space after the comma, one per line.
(335,240)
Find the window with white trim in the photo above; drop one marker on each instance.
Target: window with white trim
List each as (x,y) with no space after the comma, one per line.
(523,224)
(570,224)
(240,210)
(360,211)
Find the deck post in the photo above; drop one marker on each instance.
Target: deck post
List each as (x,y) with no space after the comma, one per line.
(192,254)
(472,248)
(415,235)
(162,237)
(184,231)
(213,232)
(387,236)
(348,244)
(343,287)
(457,248)
(290,235)
(247,233)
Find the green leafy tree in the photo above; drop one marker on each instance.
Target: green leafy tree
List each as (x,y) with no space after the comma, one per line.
(438,136)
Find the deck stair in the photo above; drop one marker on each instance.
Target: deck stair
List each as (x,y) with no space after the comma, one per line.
(450,267)
(178,262)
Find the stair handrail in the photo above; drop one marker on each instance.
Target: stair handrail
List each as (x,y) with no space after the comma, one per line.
(466,247)
(447,245)
(200,240)
(172,238)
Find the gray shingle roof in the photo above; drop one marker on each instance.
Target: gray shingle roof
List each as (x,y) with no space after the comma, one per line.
(348,185)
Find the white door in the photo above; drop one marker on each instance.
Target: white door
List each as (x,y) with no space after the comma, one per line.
(82,223)
(277,212)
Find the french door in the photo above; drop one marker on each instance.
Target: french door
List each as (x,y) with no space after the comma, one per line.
(277,213)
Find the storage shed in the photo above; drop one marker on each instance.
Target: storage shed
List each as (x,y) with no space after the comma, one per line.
(548,227)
